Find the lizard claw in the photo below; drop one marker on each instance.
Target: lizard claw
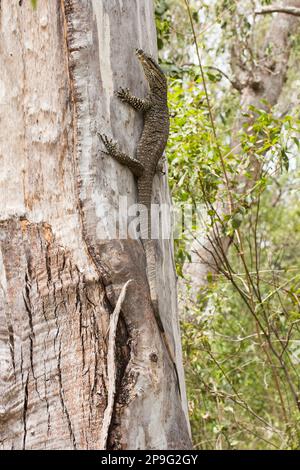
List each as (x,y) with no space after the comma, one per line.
(108,143)
(122,93)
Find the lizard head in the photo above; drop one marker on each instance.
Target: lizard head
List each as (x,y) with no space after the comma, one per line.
(154,74)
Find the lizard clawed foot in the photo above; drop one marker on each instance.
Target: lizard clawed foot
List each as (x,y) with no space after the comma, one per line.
(109,144)
(123,94)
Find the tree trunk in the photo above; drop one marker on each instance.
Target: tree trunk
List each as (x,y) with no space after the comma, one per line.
(264,82)
(63,368)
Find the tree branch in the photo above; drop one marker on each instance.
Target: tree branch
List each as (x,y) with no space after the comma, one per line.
(289,10)
(235,83)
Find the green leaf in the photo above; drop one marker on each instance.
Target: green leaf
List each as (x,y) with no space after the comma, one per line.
(236,221)
(285,159)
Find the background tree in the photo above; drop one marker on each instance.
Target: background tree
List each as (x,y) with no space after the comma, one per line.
(259,59)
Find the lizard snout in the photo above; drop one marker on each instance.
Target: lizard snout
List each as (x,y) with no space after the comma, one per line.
(139,52)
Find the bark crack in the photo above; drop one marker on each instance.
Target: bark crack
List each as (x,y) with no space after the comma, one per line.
(25,408)
(28,308)
(62,400)
(11,342)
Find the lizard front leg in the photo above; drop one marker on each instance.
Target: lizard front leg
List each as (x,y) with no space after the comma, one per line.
(113,150)
(136,103)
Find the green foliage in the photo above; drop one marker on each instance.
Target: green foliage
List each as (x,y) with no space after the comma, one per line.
(234,400)
(241,337)
(34,4)
(191,148)
(163,21)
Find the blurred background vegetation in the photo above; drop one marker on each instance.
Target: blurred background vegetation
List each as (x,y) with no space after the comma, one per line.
(234,150)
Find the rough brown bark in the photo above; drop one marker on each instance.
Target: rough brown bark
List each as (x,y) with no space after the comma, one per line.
(60,275)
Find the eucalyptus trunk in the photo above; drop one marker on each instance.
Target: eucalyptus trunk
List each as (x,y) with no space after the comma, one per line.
(77,370)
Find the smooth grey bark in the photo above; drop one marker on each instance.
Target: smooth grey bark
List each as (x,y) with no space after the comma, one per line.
(60,274)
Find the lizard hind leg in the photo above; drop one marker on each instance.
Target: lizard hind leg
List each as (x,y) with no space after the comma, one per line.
(113,150)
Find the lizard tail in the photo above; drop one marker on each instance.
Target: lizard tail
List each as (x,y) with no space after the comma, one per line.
(149,246)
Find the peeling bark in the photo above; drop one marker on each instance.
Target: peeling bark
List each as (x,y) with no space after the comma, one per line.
(61,270)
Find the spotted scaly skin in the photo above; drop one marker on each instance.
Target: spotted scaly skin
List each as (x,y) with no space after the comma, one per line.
(150,151)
